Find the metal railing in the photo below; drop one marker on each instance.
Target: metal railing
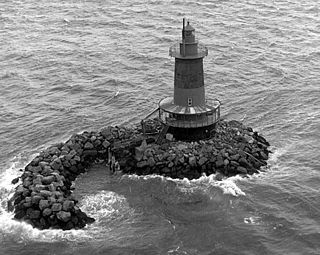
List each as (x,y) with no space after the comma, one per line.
(174,51)
(190,121)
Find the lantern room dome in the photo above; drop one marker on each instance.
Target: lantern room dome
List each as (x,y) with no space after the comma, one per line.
(188,27)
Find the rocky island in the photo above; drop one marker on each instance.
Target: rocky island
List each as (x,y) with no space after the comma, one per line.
(186,139)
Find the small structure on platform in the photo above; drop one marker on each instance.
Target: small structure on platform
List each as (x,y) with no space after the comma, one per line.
(188,115)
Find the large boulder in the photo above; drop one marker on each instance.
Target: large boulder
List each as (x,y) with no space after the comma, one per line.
(64,216)
(56,207)
(68,205)
(43,204)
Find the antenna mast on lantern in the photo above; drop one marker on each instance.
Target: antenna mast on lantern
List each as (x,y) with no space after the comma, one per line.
(183,37)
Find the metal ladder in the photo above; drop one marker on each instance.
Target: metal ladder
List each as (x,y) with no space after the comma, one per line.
(162,134)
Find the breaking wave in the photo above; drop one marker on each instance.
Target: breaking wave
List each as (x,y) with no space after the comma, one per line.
(204,183)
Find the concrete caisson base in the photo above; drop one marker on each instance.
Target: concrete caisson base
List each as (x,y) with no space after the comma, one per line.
(192,134)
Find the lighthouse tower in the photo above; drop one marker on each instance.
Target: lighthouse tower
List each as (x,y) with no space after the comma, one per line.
(188,114)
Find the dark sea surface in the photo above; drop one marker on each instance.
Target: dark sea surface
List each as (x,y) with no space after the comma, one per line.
(69,66)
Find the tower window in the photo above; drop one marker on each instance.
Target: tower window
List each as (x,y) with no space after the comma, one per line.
(189,101)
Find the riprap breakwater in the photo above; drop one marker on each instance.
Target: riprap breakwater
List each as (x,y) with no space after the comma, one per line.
(43,196)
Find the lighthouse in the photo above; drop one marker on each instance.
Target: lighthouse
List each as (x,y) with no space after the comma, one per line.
(188,115)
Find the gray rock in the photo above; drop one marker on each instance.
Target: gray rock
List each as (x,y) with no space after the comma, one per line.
(53,151)
(67,205)
(219,162)
(142,164)
(107,132)
(151,161)
(48,179)
(202,161)
(47,212)
(42,164)
(39,187)
(72,153)
(34,169)
(27,204)
(169,137)
(56,207)
(27,182)
(192,161)
(34,214)
(242,170)
(65,148)
(105,144)
(15,180)
(90,153)
(19,189)
(35,161)
(51,187)
(57,194)
(243,162)
(37,180)
(45,193)
(58,184)
(64,153)
(73,162)
(234,163)
(181,159)
(219,176)
(43,204)
(88,145)
(52,200)
(66,163)
(263,155)
(56,164)
(35,199)
(235,157)
(47,170)
(181,147)
(166,170)
(64,216)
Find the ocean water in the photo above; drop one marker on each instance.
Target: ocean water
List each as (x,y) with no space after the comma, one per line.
(69,66)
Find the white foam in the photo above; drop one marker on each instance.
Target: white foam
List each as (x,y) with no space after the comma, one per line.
(277,153)
(227,185)
(12,172)
(21,231)
(105,205)
(273,164)
(253,220)
(6,177)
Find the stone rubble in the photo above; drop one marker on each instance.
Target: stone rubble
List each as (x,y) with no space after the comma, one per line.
(44,198)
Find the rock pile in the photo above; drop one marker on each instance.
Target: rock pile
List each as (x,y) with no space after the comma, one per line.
(44,197)
(233,149)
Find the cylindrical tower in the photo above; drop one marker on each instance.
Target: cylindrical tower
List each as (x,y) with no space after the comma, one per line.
(188,74)
(188,114)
